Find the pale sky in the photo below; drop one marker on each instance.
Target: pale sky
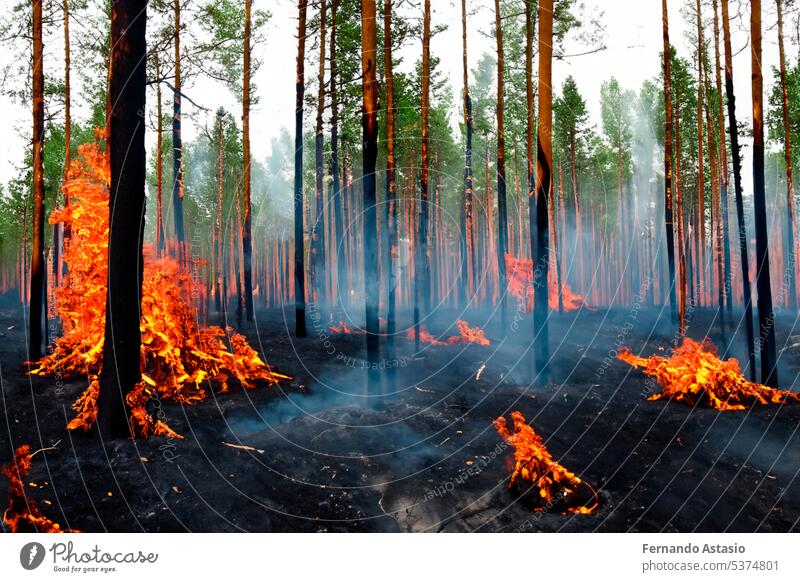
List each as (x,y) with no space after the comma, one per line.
(633,40)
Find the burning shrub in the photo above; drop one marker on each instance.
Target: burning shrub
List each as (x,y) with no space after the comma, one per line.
(466,335)
(695,375)
(540,480)
(520,279)
(23,514)
(178,355)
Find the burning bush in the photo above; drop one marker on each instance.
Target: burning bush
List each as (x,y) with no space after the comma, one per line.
(23,514)
(466,335)
(695,375)
(178,356)
(538,478)
(520,279)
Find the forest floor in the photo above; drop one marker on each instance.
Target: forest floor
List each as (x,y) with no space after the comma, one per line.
(419,455)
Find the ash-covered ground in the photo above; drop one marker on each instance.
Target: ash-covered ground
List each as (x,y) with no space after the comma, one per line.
(419,453)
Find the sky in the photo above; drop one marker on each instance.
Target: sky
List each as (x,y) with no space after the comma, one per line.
(632,38)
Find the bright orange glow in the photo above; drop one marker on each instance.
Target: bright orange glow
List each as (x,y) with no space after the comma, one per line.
(466,335)
(533,466)
(344,328)
(23,514)
(179,356)
(695,375)
(520,284)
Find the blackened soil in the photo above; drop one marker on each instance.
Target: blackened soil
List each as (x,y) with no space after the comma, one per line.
(418,452)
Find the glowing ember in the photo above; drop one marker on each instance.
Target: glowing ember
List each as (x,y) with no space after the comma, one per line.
(178,356)
(520,284)
(466,335)
(344,328)
(23,514)
(548,484)
(695,375)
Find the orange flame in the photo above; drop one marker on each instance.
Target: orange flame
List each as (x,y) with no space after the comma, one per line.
(178,355)
(23,514)
(344,328)
(520,284)
(534,467)
(466,335)
(695,375)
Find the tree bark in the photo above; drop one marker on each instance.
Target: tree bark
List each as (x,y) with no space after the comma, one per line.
(701,184)
(299,250)
(668,213)
(247,225)
(121,349)
(391,196)
(421,264)
(160,235)
(766,316)
(341,256)
(318,228)
(177,142)
(467,229)
(502,214)
(218,250)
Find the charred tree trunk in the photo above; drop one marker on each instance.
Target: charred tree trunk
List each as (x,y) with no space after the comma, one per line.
(177,142)
(668,214)
(318,228)
(247,225)
(60,233)
(502,214)
(37,317)
(421,263)
(121,349)
(218,250)
(766,316)
(701,184)
(544,184)
(160,235)
(737,183)
(370,155)
(467,230)
(530,122)
(299,251)
(341,256)
(391,196)
(790,268)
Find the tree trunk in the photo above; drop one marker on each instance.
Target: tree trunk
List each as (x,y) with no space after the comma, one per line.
(37,320)
(747,297)
(766,317)
(790,268)
(682,243)
(299,250)
(160,235)
(121,349)
(467,230)
(502,215)
(318,227)
(60,233)
(218,251)
(701,184)
(247,225)
(341,256)
(422,266)
(369,161)
(668,214)
(544,184)
(177,142)
(391,197)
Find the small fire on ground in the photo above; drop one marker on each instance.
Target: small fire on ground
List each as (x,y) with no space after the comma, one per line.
(539,479)
(520,284)
(466,335)
(695,375)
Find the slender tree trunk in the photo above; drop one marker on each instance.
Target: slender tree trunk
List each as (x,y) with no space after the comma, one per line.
(247,226)
(701,184)
(341,255)
(391,196)
(160,235)
(544,184)
(747,297)
(723,164)
(121,349)
(37,317)
(766,316)
(318,227)
(790,267)
(467,229)
(668,214)
(422,266)
(177,142)
(299,250)
(502,214)
(370,155)
(682,243)
(218,251)
(60,233)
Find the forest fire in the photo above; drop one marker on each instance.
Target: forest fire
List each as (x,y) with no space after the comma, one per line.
(540,479)
(694,375)
(178,355)
(344,328)
(520,279)
(466,335)
(23,514)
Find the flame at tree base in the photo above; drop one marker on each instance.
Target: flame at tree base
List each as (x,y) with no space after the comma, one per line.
(520,284)
(23,514)
(466,335)
(694,375)
(543,482)
(178,356)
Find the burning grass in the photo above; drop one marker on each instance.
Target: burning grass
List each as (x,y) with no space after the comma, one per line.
(179,357)
(540,480)
(23,514)
(694,375)
(520,284)
(466,335)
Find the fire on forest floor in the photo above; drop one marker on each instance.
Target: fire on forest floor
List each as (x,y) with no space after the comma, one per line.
(537,477)
(178,355)
(695,375)
(520,283)
(466,335)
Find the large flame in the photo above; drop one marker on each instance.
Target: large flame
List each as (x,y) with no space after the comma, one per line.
(695,375)
(23,514)
(520,279)
(535,469)
(178,356)
(466,335)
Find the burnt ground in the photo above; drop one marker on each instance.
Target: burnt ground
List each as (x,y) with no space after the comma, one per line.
(329,455)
